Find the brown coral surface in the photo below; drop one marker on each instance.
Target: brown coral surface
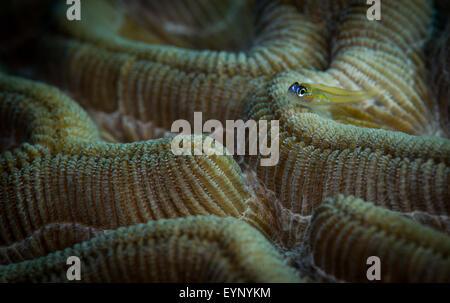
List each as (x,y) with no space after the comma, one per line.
(346,231)
(83,171)
(194,249)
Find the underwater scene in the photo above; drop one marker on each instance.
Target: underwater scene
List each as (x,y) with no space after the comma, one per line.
(225,141)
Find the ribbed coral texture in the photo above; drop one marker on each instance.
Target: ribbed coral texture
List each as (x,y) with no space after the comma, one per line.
(345,231)
(87,167)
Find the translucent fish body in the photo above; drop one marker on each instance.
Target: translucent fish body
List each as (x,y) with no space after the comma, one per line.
(319,94)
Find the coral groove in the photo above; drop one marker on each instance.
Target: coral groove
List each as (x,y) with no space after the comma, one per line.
(84,179)
(345,231)
(321,158)
(195,249)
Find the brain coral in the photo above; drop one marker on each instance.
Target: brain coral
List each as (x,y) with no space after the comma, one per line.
(345,231)
(192,249)
(111,71)
(88,170)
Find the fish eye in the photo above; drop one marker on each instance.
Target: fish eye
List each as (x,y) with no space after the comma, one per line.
(301,91)
(298,89)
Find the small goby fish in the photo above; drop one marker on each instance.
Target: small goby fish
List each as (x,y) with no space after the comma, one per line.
(319,94)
